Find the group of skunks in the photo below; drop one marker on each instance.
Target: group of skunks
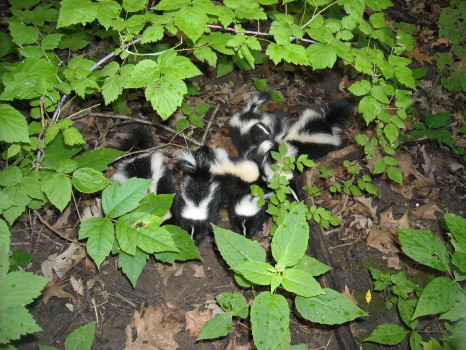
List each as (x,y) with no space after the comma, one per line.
(214,180)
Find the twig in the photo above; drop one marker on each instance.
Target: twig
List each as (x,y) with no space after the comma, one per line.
(51,228)
(136,120)
(209,124)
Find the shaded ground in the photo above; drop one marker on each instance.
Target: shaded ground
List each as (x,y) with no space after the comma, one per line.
(171,303)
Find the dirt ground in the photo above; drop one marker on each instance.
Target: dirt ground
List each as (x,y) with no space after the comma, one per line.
(171,302)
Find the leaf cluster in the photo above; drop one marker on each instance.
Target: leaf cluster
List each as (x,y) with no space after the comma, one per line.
(293,271)
(442,297)
(133,228)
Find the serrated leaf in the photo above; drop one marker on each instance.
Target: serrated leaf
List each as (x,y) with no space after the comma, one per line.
(76,11)
(387,334)
(176,66)
(438,296)
(21,33)
(206,54)
(225,66)
(14,126)
(380,94)
(51,41)
(88,180)
(330,308)
(81,338)
(143,74)
(233,302)
(321,55)
(98,159)
(312,266)
(10,176)
(290,241)
(73,137)
(391,132)
(18,289)
(118,200)
(370,108)
(57,188)
(256,272)
(236,249)
(169,5)
(377,20)
(405,76)
(153,34)
(360,88)
(134,5)
(425,248)
(113,87)
(394,174)
(100,235)
(300,282)
(4,248)
(166,95)
(107,11)
(192,21)
(270,318)
(218,326)
(132,266)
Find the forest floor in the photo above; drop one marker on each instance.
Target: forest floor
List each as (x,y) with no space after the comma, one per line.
(170,303)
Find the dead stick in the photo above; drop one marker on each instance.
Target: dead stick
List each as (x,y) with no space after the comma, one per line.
(209,124)
(51,228)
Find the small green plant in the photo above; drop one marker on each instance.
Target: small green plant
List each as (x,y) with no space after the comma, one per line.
(450,65)
(17,289)
(132,228)
(193,116)
(435,127)
(293,271)
(81,338)
(443,298)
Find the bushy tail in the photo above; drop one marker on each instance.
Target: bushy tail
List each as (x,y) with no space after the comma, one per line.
(255,101)
(195,163)
(139,139)
(338,113)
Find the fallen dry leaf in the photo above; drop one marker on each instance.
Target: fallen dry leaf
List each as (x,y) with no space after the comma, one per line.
(382,240)
(393,261)
(166,271)
(388,222)
(419,56)
(198,269)
(196,319)
(77,285)
(349,295)
(427,211)
(367,202)
(58,263)
(53,290)
(154,330)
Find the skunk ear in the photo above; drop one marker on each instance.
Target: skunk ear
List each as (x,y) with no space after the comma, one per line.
(139,139)
(338,113)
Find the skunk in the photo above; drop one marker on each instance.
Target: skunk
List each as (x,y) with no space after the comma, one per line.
(318,133)
(245,216)
(200,196)
(242,122)
(145,165)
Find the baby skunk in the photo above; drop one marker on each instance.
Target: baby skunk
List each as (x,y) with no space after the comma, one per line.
(145,165)
(316,133)
(236,175)
(200,196)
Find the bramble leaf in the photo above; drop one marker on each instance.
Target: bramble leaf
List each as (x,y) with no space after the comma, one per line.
(187,250)
(100,235)
(57,188)
(14,127)
(192,21)
(387,334)
(88,180)
(166,95)
(132,266)
(300,282)
(118,200)
(98,159)
(76,11)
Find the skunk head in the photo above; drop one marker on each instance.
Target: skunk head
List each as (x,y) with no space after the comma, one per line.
(245,216)
(195,163)
(199,205)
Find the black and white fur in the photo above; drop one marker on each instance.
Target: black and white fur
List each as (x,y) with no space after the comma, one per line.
(145,166)
(199,201)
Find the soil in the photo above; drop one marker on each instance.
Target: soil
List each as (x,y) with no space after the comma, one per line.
(171,302)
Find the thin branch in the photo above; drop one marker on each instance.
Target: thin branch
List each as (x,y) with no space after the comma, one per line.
(51,228)
(209,124)
(137,120)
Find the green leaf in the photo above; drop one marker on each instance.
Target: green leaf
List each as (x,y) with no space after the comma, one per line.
(88,180)
(166,95)
(132,266)
(387,334)
(225,66)
(370,108)
(18,289)
(51,41)
(380,94)
(22,34)
(391,132)
(218,326)
(236,249)
(394,174)
(415,341)
(98,159)
(169,5)
(57,151)
(233,302)
(100,235)
(255,271)
(134,5)
(4,248)
(113,87)
(330,308)
(176,66)
(14,126)
(157,205)
(405,76)
(107,12)
(360,88)
(270,318)
(206,54)
(437,120)
(143,74)
(423,247)
(118,200)
(300,282)
(312,266)
(321,56)
(202,108)
(406,311)
(377,20)
(10,176)
(187,250)
(76,11)
(260,84)
(57,188)
(290,241)
(192,21)
(437,297)
(81,338)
